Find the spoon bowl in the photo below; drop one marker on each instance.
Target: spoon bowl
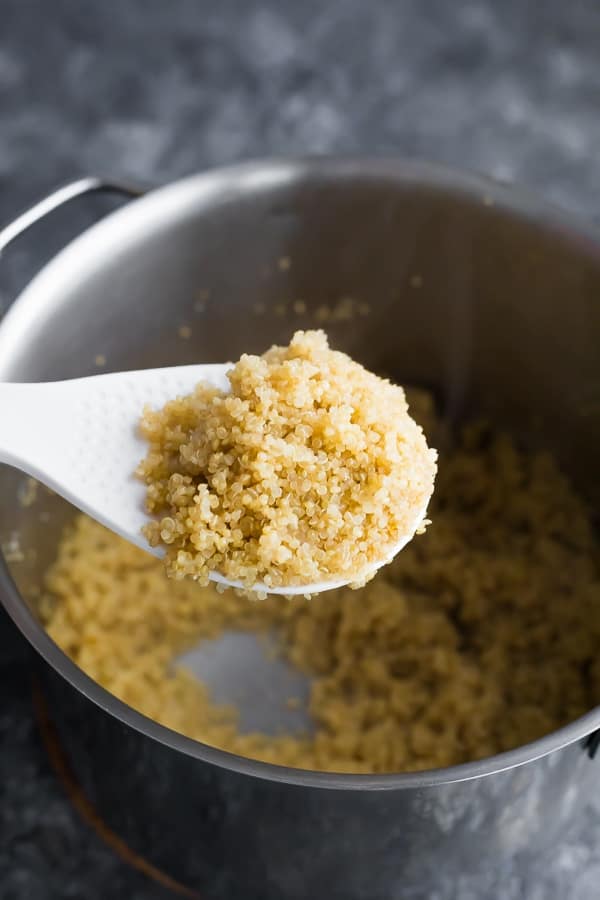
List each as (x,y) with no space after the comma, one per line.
(80,438)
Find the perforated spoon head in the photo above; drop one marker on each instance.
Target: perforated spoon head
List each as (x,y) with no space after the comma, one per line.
(81,439)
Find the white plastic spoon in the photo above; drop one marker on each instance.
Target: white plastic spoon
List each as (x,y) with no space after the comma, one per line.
(80,438)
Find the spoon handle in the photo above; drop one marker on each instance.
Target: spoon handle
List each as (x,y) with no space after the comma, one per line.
(80,437)
(28,423)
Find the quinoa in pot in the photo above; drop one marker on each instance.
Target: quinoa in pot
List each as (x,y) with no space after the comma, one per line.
(482,635)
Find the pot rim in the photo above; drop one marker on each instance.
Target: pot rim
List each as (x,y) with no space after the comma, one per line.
(258,175)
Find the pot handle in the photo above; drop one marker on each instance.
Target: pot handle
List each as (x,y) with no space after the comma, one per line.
(592,743)
(58,198)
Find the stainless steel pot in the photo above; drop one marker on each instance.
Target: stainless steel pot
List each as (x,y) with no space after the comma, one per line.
(487,296)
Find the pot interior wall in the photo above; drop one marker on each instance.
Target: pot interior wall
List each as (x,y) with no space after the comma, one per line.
(443,288)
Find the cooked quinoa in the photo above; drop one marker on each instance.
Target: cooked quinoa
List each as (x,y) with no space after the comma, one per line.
(482,635)
(311,469)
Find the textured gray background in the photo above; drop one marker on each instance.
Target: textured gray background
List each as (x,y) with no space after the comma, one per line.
(156,89)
